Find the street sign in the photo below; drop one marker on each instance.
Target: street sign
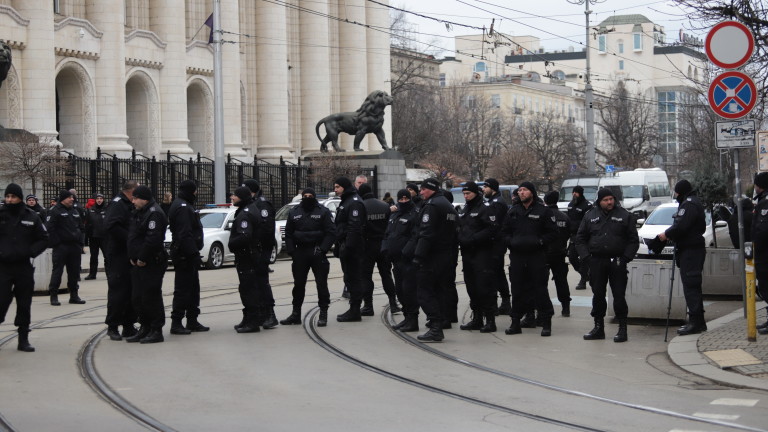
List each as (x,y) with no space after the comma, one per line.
(729,44)
(735,134)
(762,151)
(732,95)
(609,168)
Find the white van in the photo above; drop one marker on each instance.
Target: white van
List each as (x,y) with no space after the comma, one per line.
(643,190)
(590,185)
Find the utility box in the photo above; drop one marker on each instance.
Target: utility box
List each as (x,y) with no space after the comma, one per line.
(648,290)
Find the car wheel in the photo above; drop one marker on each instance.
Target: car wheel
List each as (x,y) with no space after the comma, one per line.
(215,257)
(273,255)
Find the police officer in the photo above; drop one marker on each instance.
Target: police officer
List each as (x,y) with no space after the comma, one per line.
(117,223)
(760,239)
(266,211)
(500,207)
(606,241)
(477,232)
(528,227)
(435,243)
(350,228)
(147,255)
(34,204)
(556,252)
(413,189)
(245,243)
(377,213)
(577,208)
(309,235)
(687,231)
(94,230)
(65,228)
(398,247)
(187,234)
(22,237)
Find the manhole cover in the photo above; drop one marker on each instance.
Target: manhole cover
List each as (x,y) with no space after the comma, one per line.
(732,357)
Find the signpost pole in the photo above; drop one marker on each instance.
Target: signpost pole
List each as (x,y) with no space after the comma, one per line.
(740,214)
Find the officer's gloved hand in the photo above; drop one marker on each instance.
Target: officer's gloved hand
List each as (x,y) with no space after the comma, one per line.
(318,251)
(622,260)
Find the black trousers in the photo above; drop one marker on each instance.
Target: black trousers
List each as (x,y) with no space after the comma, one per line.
(761,274)
(246,275)
(95,244)
(405,285)
(604,271)
(479,277)
(559,269)
(431,288)
(261,272)
(65,255)
(304,259)
(500,277)
(186,288)
(148,294)
(450,302)
(691,264)
(374,258)
(528,279)
(120,310)
(17,281)
(351,265)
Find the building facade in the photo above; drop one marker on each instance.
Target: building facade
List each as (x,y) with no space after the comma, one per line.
(137,75)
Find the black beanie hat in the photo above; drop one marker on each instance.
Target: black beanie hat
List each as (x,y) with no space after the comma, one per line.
(63,194)
(364,189)
(683,187)
(579,190)
(252,185)
(243,192)
(448,195)
(344,182)
(188,186)
(471,187)
(142,192)
(492,183)
(528,185)
(552,197)
(431,184)
(98,195)
(412,186)
(31,196)
(403,193)
(604,192)
(761,180)
(14,189)
(309,190)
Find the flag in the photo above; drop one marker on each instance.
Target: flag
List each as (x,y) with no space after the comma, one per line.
(209,23)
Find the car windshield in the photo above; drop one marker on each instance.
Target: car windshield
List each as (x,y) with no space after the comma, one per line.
(632,191)
(212,220)
(282,214)
(590,193)
(663,216)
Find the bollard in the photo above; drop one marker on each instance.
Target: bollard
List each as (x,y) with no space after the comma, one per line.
(750,293)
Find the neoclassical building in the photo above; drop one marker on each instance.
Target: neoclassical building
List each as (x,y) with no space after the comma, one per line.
(138,74)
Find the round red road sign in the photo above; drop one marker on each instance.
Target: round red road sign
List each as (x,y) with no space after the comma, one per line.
(729,44)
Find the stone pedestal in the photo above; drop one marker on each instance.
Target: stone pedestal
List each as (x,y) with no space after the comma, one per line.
(390,167)
(17,135)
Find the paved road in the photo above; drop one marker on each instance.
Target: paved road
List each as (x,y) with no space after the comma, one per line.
(353,376)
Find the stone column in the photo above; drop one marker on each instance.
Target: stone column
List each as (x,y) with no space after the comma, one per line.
(167,21)
(230,59)
(353,67)
(110,76)
(378,64)
(315,75)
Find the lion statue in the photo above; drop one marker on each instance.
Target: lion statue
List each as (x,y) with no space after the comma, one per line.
(6,58)
(369,118)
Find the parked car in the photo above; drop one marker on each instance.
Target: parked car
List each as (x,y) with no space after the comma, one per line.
(281,217)
(217,222)
(661,219)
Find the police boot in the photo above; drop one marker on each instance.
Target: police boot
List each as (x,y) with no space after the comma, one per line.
(74,298)
(154,336)
(250,323)
(529,320)
(270,320)
(409,324)
(113,333)
(367,309)
(24,340)
(763,325)
(55,297)
(546,326)
(598,332)
(434,334)
(763,331)
(352,315)
(91,276)
(476,323)
(194,325)
(566,309)
(294,317)
(514,327)
(177,328)
(490,323)
(393,307)
(241,323)
(621,336)
(506,306)
(695,325)
(141,334)
(582,285)
(128,331)
(322,319)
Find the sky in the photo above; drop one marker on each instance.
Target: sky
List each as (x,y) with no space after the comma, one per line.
(559,24)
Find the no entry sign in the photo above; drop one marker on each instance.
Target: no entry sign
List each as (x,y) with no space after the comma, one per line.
(732,95)
(729,44)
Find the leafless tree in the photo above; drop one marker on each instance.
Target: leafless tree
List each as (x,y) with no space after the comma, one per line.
(26,158)
(514,165)
(326,169)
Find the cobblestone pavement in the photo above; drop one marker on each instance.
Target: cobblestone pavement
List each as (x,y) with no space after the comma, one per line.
(733,335)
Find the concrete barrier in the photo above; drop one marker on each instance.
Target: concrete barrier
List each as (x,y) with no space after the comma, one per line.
(648,290)
(43,265)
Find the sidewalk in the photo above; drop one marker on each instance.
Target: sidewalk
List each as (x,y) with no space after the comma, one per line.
(726,333)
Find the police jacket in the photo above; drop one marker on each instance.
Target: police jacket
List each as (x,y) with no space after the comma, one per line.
(438,221)
(577,208)
(117,223)
(309,227)
(186,229)
(689,224)
(146,236)
(94,221)
(40,211)
(528,230)
(563,222)
(733,225)
(267,214)
(760,229)
(477,227)
(400,228)
(64,226)
(22,234)
(499,207)
(377,213)
(244,236)
(350,221)
(608,235)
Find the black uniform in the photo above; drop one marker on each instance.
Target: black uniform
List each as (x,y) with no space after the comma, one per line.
(350,245)
(500,208)
(245,243)
(733,223)
(577,208)
(264,209)
(476,239)
(377,213)
(395,245)
(556,252)
(22,237)
(187,234)
(94,230)
(65,228)
(760,243)
(146,243)
(117,223)
(40,211)
(309,235)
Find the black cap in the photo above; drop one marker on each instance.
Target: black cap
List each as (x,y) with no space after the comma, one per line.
(683,187)
(188,186)
(63,194)
(243,192)
(431,184)
(761,180)
(31,196)
(98,195)
(142,192)
(364,189)
(14,189)
(492,183)
(530,186)
(579,190)
(471,187)
(604,192)
(344,182)
(252,185)
(309,190)
(412,186)
(552,197)
(403,193)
